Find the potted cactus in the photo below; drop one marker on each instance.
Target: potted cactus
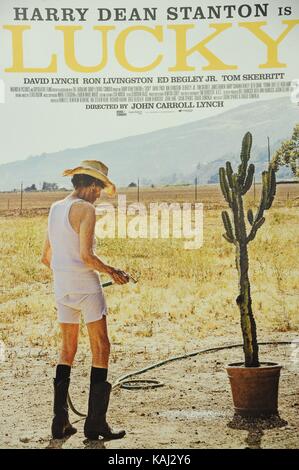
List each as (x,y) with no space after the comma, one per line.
(254,384)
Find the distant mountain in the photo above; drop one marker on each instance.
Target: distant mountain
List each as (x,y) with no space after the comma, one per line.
(209,172)
(168,155)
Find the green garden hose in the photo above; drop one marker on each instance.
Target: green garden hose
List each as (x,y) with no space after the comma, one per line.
(123,382)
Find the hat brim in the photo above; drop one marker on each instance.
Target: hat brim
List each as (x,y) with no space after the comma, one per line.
(110,188)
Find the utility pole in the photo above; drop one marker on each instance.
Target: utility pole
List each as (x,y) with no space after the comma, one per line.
(268,150)
(195,182)
(21,199)
(138,190)
(254,189)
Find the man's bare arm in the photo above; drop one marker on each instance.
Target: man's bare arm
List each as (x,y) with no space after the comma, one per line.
(47,253)
(86,234)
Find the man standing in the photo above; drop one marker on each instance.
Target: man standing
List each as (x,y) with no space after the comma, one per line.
(69,252)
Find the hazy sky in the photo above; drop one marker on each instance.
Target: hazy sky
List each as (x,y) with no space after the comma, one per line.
(29,128)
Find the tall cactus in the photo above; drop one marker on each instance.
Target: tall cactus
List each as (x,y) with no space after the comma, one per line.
(234,186)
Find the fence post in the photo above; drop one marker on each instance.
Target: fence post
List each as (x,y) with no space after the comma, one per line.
(21,199)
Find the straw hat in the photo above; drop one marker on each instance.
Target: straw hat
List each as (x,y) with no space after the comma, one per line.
(96,169)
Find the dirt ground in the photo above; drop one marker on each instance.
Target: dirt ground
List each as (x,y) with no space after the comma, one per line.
(192,410)
(182,303)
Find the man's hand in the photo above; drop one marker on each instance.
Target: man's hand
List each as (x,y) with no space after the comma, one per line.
(118,276)
(86,234)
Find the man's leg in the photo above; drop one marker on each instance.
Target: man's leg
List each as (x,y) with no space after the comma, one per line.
(61,425)
(100,350)
(69,343)
(96,424)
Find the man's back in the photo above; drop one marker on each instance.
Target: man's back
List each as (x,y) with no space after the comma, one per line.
(70,272)
(65,242)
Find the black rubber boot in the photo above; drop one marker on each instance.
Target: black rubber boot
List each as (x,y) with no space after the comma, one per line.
(61,427)
(96,424)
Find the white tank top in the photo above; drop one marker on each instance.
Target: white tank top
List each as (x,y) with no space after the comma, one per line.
(71,275)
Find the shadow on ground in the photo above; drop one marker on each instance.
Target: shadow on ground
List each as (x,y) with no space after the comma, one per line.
(256,428)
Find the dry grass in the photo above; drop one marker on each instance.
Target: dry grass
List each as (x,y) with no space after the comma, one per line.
(182,296)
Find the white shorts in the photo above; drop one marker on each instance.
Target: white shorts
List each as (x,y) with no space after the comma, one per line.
(92,307)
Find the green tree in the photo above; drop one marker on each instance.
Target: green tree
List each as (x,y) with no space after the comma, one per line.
(31,188)
(288,153)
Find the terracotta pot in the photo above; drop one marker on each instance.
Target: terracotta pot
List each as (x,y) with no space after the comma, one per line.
(254,389)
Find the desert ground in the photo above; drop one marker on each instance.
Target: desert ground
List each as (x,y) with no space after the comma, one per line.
(183,302)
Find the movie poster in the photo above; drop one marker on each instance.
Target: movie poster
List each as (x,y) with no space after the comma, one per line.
(190,111)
